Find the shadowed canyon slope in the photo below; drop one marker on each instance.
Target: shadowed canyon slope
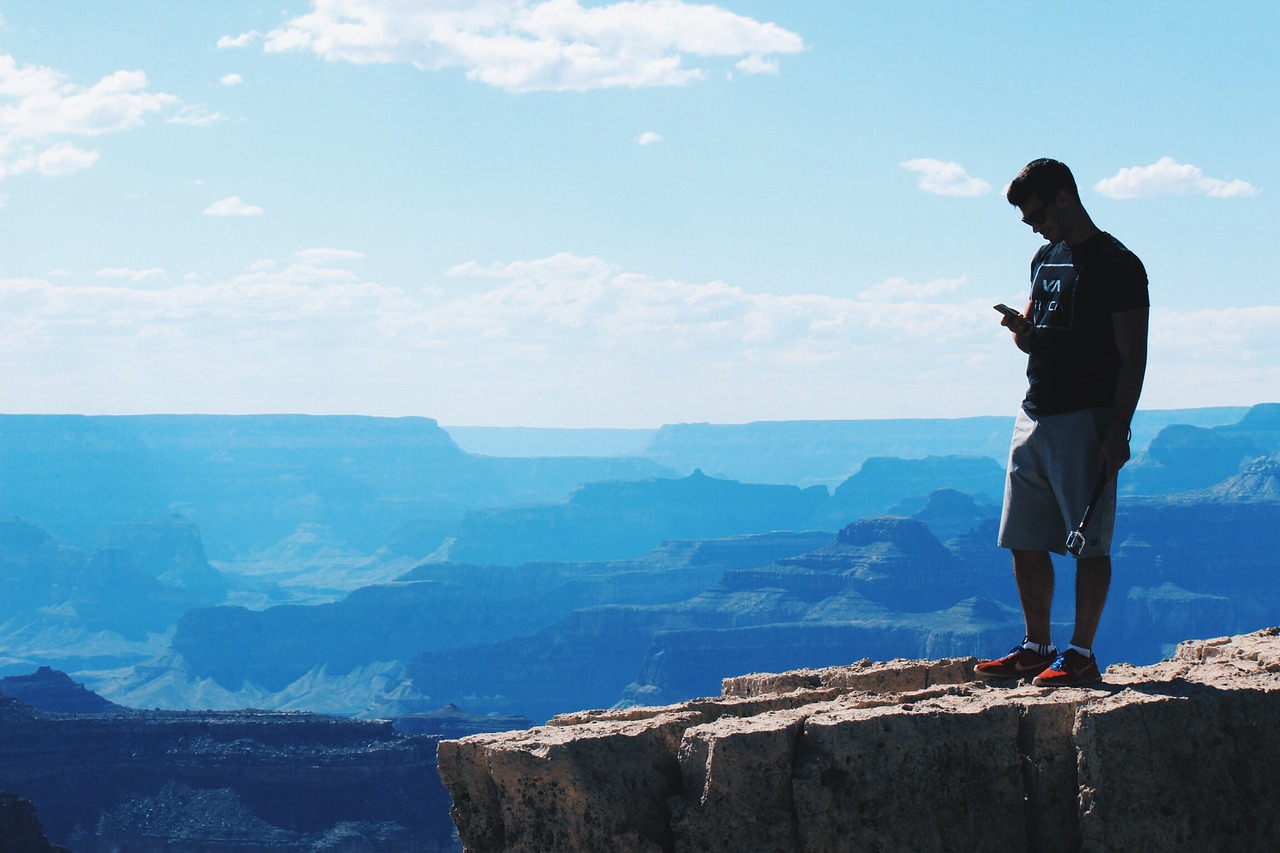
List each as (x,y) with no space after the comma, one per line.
(102,777)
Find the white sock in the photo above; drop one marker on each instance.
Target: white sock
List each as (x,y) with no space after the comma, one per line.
(1086,652)
(1044,650)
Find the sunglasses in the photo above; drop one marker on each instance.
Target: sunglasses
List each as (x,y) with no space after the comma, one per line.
(1037,216)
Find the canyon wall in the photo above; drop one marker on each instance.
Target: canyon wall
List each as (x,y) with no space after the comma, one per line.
(198,782)
(902,756)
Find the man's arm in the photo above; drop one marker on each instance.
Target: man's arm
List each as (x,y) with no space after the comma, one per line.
(1131,342)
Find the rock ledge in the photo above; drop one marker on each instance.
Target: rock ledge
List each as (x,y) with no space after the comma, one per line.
(904,755)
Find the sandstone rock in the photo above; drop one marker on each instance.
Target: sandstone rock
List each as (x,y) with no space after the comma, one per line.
(904,755)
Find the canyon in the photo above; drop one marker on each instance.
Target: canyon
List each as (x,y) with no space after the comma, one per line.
(369,582)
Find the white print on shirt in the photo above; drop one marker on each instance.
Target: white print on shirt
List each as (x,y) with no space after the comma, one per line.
(1053,292)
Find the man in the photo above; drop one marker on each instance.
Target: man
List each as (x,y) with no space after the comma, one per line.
(1084,330)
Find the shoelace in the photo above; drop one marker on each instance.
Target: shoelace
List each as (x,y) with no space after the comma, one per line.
(1060,664)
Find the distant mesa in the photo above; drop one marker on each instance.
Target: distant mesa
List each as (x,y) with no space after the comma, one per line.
(47,689)
(1258,480)
(454,722)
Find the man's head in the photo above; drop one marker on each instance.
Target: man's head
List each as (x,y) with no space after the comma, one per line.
(1042,178)
(1046,194)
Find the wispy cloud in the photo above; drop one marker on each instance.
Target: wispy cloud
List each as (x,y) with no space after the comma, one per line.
(899,289)
(242,40)
(133,275)
(327,256)
(232,206)
(942,178)
(492,341)
(230,79)
(757,65)
(40,108)
(63,158)
(197,115)
(527,45)
(1167,176)
(648,138)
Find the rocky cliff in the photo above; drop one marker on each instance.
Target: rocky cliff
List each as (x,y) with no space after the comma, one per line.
(906,755)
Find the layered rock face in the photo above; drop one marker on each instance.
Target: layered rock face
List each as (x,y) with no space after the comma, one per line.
(902,756)
(230,781)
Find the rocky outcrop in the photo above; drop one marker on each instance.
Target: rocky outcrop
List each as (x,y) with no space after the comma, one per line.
(1257,480)
(906,755)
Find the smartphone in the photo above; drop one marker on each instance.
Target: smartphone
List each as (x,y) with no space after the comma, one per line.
(1006,310)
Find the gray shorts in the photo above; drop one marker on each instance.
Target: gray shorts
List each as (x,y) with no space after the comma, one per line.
(1053,465)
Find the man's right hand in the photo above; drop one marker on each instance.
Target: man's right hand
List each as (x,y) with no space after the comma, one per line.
(1018,324)
(1022,328)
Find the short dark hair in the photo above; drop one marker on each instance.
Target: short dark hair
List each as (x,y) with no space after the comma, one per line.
(1043,178)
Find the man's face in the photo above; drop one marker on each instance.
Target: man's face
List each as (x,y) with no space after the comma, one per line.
(1044,216)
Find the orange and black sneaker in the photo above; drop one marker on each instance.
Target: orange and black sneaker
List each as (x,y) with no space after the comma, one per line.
(1021,662)
(1071,669)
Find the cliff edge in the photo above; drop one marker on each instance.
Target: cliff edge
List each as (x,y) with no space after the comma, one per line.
(904,756)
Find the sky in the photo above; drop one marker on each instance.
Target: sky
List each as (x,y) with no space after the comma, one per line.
(563,213)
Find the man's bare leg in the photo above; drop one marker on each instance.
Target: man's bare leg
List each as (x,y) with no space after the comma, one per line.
(1093,580)
(1033,571)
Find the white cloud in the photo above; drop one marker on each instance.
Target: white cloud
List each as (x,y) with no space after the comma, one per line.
(532,338)
(1168,177)
(899,289)
(129,274)
(648,138)
(1227,356)
(757,65)
(591,306)
(197,115)
(532,45)
(39,108)
(63,158)
(231,79)
(242,40)
(324,256)
(232,206)
(942,178)
(559,340)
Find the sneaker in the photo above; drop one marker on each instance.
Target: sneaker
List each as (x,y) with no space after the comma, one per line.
(1071,669)
(1021,662)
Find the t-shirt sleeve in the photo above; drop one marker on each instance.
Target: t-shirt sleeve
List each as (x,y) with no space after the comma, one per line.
(1127,290)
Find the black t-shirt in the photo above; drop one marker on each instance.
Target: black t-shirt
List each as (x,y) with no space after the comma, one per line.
(1074,362)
